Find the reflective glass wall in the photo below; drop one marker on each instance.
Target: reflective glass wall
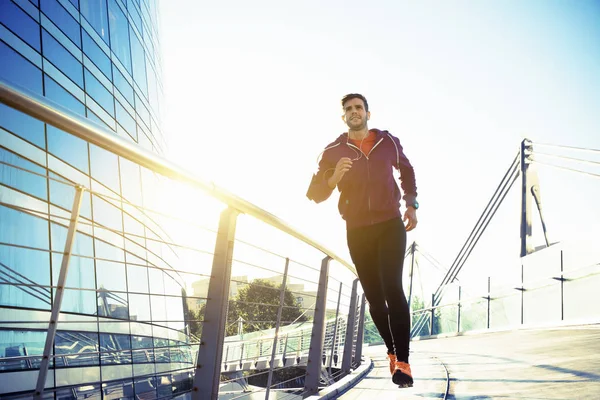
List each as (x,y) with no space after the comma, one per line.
(115,339)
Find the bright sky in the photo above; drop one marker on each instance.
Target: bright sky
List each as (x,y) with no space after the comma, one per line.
(252,96)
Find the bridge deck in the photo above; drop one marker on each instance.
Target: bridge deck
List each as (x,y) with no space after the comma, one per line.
(558,363)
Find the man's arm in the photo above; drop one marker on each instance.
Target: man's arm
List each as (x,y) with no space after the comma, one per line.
(319,189)
(327,178)
(407,177)
(409,187)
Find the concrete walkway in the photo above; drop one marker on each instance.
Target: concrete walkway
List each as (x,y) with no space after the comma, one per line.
(558,363)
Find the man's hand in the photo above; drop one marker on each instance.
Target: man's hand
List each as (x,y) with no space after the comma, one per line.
(410,219)
(343,166)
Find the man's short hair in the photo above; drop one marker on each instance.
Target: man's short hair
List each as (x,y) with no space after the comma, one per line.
(355,96)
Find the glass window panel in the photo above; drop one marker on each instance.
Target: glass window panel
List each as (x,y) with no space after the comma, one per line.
(105,167)
(97,15)
(164,386)
(121,390)
(62,58)
(111,275)
(95,53)
(143,356)
(119,34)
(68,148)
(141,342)
(63,194)
(134,229)
(79,302)
(81,272)
(75,3)
(122,85)
(23,229)
(146,388)
(24,266)
(126,120)
(172,286)
(25,181)
(113,305)
(182,382)
(16,342)
(153,94)
(19,22)
(141,109)
(93,117)
(80,392)
(23,125)
(75,345)
(138,60)
(159,311)
(99,93)
(16,69)
(135,15)
(161,350)
(175,307)
(139,307)
(137,278)
(156,281)
(62,19)
(57,93)
(83,243)
(107,215)
(108,251)
(130,176)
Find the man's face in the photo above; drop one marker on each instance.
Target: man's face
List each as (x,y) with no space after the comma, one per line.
(355,115)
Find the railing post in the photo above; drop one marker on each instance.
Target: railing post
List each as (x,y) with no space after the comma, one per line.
(528,180)
(432,314)
(361,331)
(459,307)
(489,301)
(562,287)
(58,296)
(349,341)
(335,328)
(242,355)
(279,311)
(313,366)
(208,363)
(285,346)
(522,292)
(412,267)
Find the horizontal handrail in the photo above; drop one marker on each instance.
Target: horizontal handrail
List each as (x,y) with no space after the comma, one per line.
(56,115)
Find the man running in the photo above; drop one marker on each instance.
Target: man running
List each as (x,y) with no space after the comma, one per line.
(360,164)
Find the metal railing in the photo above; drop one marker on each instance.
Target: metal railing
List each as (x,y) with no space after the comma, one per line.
(163,240)
(549,292)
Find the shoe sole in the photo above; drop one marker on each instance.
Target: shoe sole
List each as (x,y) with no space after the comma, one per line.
(397,379)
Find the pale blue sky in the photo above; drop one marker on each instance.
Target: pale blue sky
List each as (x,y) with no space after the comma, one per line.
(253,88)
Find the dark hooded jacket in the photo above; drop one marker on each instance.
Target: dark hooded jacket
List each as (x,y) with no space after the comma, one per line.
(369,193)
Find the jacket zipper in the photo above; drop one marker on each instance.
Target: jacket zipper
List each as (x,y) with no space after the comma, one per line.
(368,174)
(368,191)
(369,177)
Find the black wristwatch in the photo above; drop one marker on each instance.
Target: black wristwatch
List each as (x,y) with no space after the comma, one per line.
(414,205)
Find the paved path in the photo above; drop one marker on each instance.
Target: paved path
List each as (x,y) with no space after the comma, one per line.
(560,363)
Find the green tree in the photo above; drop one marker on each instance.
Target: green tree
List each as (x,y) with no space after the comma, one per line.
(257,303)
(418,304)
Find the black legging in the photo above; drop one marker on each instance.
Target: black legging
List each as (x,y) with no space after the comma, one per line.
(378,255)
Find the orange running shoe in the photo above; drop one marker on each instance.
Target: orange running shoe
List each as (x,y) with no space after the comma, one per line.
(402,375)
(392,359)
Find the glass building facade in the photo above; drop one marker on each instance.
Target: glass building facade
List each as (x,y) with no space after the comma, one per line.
(122,331)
